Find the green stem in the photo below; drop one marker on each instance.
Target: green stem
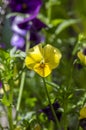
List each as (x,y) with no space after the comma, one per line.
(65,124)
(20,92)
(9,108)
(10,115)
(22,78)
(75,49)
(49,10)
(10,118)
(52,109)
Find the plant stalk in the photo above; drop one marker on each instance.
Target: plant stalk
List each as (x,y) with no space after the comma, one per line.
(22,79)
(52,109)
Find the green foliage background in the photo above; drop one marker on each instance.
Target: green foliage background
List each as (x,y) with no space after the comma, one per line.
(66,21)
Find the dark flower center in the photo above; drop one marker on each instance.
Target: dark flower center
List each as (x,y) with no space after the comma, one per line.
(24,5)
(42,64)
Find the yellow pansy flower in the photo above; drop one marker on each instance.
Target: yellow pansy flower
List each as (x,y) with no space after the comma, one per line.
(82,57)
(83,113)
(43,59)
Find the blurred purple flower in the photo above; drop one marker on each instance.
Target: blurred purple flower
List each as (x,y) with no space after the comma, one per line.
(49,113)
(15,21)
(18,37)
(31,7)
(18,41)
(20,28)
(2,45)
(34,26)
(36,38)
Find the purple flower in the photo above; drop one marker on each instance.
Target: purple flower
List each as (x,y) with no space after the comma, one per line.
(49,113)
(34,26)
(31,7)
(18,41)
(18,38)
(20,28)
(2,45)
(36,38)
(16,20)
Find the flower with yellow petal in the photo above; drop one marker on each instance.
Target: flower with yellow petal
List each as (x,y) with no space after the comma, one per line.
(82,56)
(43,59)
(83,113)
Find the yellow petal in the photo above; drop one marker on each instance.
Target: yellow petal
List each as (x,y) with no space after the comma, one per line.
(52,56)
(42,71)
(43,60)
(34,56)
(82,57)
(83,113)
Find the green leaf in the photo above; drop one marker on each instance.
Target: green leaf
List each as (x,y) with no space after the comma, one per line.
(52,84)
(65,24)
(32,101)
(55,22)
(18,53)
(4,54)
(5,101)
(70,96)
